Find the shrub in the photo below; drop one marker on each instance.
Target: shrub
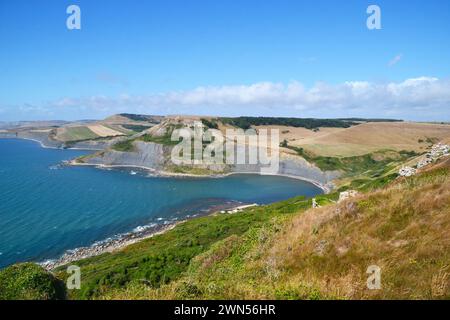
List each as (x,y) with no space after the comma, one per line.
(28,281)
(124,146)
(210,124)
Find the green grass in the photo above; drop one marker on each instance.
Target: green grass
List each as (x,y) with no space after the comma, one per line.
(211,124)
(136,117)
(28,281)
(72,134)
(164,258)
(364,172)
(367,184)
(135,128)
(194,170)
(124,146)
(164,140)
(402,229)
(127,145)
(223,262)
(356,165)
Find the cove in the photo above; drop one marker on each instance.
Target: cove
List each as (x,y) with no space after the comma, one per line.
(47,209)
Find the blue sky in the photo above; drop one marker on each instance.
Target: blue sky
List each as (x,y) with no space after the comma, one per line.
(224,57)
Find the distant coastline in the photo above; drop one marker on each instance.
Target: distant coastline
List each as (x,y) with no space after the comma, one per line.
(326,189)
(321,186)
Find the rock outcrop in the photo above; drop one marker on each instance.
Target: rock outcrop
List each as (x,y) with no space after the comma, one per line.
(347,195)
(157,157)
(146,154)
(407,171)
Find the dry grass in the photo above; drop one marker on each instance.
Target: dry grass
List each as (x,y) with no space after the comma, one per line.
(299,134)
(369,137)
(324,253)
(103,131)
(405,230)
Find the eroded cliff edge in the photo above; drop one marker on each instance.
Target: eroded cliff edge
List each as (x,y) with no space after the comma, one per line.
(156,157)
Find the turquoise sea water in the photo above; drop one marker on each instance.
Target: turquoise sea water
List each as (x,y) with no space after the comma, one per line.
(46,209)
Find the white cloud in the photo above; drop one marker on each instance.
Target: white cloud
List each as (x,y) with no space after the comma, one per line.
(423,98)
(395,60)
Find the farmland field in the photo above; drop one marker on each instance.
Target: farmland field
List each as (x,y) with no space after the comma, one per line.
(368,137)
(75,134)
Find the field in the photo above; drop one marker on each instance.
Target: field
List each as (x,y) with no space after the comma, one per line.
(104,131)
(366,138)
(75,134)
(114,126)
(88,132)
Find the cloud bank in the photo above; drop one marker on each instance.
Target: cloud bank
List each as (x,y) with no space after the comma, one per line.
(423,98)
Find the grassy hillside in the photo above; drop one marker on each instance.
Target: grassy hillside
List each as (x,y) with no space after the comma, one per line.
(124,146)
(359,172)
(164,258)
(289,251)
(114,126)
(324,253)
(370,137)
(75,134)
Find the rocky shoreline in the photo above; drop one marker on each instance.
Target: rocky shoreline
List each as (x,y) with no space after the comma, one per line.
(326,188)
(138,234)
(108,245)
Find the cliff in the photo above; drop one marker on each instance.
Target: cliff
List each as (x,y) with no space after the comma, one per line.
(156,157)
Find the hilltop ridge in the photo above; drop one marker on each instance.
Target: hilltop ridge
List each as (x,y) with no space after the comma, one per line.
(330,152)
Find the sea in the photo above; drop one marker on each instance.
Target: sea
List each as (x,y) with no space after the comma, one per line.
(48,208)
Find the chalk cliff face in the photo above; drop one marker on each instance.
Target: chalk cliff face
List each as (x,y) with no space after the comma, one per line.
(297,166)
(294,166)
(157,157)
(146,154)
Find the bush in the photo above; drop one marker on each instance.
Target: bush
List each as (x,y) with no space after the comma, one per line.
(210,124)
(28,281)
(247,122)
(135,128)
(124,146)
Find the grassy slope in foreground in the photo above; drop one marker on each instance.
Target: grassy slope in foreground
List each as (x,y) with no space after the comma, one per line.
(288,251)
(164,258)
(29,281)
(325,252)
